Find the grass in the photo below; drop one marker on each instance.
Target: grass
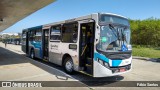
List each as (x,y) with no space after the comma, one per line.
(146,52)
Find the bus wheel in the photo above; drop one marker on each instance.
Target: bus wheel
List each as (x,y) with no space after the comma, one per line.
(68,65)
(32,54)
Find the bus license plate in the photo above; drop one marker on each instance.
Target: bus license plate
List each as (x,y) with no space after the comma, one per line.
(122,69)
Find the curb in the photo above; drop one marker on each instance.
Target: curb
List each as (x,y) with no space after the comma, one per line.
(147,59)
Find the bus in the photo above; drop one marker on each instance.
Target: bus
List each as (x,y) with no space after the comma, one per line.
(16,41)
(97,44)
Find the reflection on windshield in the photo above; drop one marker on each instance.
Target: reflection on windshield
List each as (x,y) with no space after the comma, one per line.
(114,38)
(113,19)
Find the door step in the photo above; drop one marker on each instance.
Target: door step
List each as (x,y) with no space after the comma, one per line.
(45,60)
(84,72)
(88,69)
(89,61)
(88,65)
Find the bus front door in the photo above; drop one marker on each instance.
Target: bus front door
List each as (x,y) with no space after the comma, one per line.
(86,46)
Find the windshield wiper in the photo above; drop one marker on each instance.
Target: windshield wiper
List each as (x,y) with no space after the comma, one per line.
(123,36)
(113,28)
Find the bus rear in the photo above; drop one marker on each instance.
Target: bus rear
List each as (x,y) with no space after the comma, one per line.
(112,52)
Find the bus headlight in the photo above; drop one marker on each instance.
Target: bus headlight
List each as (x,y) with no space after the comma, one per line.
(103,63)
(106,64)
(100,61)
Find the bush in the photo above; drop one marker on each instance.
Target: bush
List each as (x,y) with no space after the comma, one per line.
(145,32)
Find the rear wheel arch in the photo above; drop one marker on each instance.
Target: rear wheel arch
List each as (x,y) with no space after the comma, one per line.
(67,63)
(64,57)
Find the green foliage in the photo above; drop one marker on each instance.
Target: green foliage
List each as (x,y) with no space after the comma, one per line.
(146,32)
(146,52)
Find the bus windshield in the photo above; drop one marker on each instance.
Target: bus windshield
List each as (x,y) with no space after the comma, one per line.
(107,19)
(114,37)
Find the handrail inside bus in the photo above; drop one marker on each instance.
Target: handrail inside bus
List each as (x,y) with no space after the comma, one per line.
(84,50)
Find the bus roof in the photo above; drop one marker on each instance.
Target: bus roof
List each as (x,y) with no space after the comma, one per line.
(72,20)
(83,17)
(34,28)
(37,27)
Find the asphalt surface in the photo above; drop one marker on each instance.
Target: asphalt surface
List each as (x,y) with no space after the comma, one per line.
(16,66)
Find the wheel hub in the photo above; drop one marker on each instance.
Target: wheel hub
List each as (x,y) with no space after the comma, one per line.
(69,65)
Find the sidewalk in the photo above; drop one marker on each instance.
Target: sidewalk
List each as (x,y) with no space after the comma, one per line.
(12,47)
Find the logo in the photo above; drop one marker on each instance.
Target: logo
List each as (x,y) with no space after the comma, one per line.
(21,84)
(54,47)
(124,48)
(6,84)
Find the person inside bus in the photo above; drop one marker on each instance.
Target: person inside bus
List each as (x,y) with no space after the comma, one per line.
(89,42)
(75,35)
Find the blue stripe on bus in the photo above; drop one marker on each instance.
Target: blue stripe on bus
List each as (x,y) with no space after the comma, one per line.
(35,28)
(105,59)
(116,63)
(39,46)
(101,57)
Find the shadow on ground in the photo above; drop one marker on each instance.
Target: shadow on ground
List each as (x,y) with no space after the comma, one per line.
(156,60)
(85,79)
(8,57)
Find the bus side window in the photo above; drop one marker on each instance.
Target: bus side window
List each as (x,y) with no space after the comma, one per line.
(75,33)
(55,33)
(32,35)
(70,32)
(24,37)
(38,35)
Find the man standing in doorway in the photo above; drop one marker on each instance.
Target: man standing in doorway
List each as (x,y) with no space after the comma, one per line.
(89,42)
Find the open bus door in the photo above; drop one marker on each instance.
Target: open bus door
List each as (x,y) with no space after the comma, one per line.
(27,42)
(45,43)
(24,41)
(86,46)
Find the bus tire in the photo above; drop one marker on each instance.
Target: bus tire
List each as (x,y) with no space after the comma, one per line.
(68,65)
(32,54)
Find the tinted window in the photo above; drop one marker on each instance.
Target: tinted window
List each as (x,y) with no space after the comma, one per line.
(32,35)
(55,33)
(113,19)
(38,35)
(23,37)
(70,32)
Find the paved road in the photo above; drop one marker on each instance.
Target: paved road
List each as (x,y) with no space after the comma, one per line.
(15,66)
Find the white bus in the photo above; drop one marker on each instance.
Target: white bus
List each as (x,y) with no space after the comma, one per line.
(97,44)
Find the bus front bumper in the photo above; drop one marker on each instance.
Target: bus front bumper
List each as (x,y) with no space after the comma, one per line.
(102,71)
